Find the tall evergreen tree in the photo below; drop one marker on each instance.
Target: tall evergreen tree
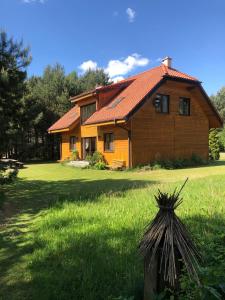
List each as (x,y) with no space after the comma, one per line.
(219,102)
(93,78)
(14,58)
(46,100)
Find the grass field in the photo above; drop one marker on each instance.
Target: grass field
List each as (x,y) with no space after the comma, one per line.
(73,234)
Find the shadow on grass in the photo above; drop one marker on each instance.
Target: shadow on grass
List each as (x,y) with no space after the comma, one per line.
(32,196)
(101,263)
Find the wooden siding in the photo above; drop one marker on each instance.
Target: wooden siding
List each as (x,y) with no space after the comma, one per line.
(158,136)
(120,142)
(154,136)
(120,151)
(65,143)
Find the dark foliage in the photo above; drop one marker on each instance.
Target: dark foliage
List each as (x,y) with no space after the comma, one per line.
(14,58)
(214,145)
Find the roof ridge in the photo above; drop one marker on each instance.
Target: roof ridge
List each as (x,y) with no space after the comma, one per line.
(146,71)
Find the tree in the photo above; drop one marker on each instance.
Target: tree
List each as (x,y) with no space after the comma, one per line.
(14,58)
(93,78)
(46,100)
(219,102)
(221,135)
(214,147)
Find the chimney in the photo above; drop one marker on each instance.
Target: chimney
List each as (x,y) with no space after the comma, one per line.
(167,61)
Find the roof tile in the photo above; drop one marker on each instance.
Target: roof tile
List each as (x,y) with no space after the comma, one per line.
(138,87)
(67,120)
(141,85)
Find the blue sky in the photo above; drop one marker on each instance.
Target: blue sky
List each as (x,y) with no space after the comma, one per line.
(123,37)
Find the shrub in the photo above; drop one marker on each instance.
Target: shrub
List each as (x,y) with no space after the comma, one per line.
(8,175)
(179,163)
(96,161)
(100,165)
(88,158)
(95,158)
(214,146)
(221,136)
(75,155)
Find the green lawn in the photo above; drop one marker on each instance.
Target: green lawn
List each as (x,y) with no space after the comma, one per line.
(73,234)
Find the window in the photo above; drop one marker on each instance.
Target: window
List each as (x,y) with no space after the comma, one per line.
(73,140)
(86,111)
(184,107)
(108,142)
(162,103)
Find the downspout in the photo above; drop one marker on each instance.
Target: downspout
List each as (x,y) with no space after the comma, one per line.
(129,143)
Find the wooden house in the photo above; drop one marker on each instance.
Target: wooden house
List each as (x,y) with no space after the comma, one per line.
(159,114)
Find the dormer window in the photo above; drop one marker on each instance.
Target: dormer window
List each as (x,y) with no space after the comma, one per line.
(162,103)
(86,111)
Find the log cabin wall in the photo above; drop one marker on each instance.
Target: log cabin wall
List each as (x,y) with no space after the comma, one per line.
(121,144)
(157,136)
(65,143)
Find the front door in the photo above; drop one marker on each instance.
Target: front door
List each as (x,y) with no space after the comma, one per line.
(88,146)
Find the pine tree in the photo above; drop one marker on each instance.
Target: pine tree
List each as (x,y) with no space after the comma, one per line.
(14,59)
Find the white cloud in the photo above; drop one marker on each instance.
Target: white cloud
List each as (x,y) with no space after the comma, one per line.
(32,1)
(117,79)
(88,65)
(122,67)
(131,14)
(117,68)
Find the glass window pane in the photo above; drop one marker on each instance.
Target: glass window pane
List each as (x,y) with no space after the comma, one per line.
(165,104)
(72,143)
(87,111)
(184,107)
(108,141)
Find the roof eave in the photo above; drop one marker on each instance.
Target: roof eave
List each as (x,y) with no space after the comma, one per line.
(211,105)
(104,123)
(58,130)
(82,97)
(65,129)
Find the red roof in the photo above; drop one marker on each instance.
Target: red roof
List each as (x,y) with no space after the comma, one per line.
(131,96)
(66,121)
(137,88)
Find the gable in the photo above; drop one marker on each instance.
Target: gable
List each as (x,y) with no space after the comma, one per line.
(133,95)
(188,89)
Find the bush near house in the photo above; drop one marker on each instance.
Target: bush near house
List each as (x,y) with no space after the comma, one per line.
(8,175)
(96,160)
(75,155)
(181,163)
(221,136)
(214,146)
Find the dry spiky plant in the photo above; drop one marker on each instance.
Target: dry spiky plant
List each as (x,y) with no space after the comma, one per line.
(168,240)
